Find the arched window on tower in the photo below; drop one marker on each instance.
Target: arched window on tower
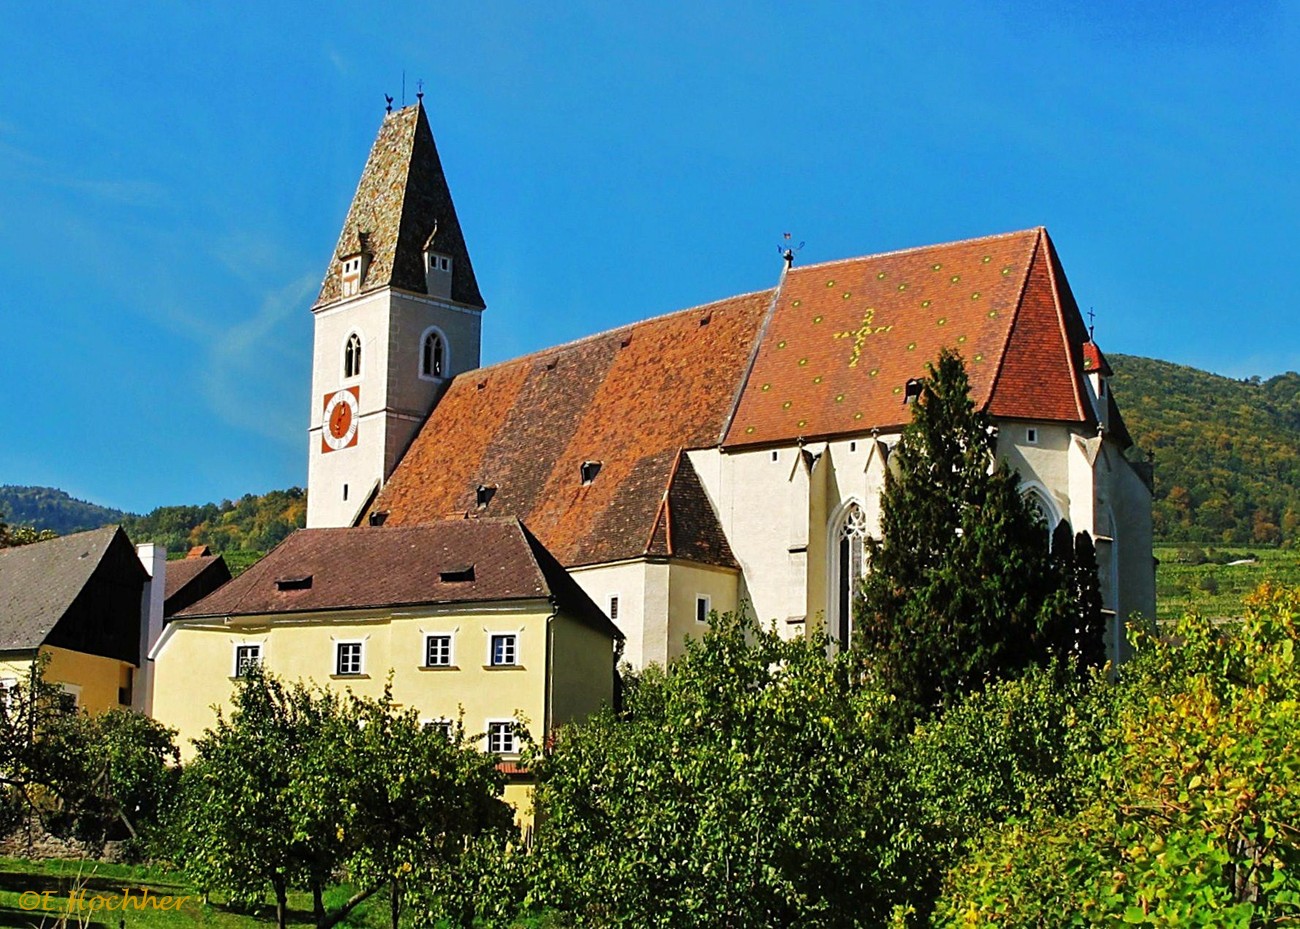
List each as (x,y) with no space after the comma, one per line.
(352,357)
(434,360)
(849,540)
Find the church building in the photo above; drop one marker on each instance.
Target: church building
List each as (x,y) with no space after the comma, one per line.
(726,456)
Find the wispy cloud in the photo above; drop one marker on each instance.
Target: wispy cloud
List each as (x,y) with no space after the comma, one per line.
(21,165)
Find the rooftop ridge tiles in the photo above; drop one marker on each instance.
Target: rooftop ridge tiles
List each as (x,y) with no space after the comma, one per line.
(1076,376)
(893,253)
(1015,317)
(605,333)
(759,338)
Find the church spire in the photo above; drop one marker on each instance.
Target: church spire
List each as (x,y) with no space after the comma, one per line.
(402,219)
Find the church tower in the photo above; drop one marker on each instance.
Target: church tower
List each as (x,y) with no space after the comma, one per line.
(399,315)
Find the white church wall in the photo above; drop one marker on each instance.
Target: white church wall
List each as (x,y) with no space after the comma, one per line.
(341,479)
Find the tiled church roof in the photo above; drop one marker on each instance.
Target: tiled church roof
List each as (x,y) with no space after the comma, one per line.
(828,353)
(846,337)
(629,399)
(401,200)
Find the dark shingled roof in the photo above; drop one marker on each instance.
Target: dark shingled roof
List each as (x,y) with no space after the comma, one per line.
(39,582)
(375,567)
(192,578)
(826,354)
(401,200)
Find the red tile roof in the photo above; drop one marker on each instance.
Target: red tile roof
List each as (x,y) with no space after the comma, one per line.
(827,353)
(630,399)
(846,337)
(365,567)
(401,200)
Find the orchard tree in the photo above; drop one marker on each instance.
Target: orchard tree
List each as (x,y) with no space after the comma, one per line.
(961,585)
(300,784)
(1193,813)
(747,785)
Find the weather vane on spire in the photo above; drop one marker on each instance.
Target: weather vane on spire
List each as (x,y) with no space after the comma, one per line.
(419,90)
(1091,326)
(787,250)
(388,106)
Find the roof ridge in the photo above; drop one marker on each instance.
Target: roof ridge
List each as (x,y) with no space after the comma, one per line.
(893,253)
(754,349)
(1015,317)
(1085,411)
(582,340)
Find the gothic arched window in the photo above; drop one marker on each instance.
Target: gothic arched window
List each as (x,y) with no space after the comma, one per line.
(352,357)
(849,539)
(433,355)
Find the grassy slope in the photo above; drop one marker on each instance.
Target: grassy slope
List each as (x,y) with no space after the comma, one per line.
(1217,590)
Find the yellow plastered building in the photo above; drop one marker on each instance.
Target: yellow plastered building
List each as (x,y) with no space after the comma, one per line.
(469,621)
(78,602)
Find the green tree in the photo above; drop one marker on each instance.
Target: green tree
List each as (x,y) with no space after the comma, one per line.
(747,785)
(1192,814)
(300,784)
(961,584)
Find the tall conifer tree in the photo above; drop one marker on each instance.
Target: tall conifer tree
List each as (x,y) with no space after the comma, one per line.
(961,586)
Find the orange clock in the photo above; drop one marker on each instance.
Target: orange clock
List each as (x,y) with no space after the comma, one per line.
(340,419)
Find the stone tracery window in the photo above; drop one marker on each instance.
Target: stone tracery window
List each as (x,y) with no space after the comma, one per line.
(352,357)
(850,538)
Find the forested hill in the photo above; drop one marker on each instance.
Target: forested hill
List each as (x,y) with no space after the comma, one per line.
(1227,452)
(50,508)
(251,523)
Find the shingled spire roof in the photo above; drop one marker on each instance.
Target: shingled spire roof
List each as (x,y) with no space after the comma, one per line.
(402,205)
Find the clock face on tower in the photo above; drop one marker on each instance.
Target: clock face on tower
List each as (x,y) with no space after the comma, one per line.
(340,420)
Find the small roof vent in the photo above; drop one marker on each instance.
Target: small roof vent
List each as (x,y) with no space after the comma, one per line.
(912,391)
(293,583)
(589,470)
(483,495)
(457,575)
(377,517)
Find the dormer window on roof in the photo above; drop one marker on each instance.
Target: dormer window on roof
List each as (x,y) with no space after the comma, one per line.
(483,495)
(293,583)
(589,470)
(912,392)
(437,273)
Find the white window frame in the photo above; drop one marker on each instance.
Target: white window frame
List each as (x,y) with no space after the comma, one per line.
(513,728)
(491,651)
(707,602)
(447,726)
(451,649)
(338,655)
(7,687)
(1031,435)
(446,355)
(234,655)
(73,691)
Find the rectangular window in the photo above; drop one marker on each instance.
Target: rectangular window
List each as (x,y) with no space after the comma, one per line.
(613,608)
(501,738)
(8,689)
(246,657)
(1031,435)
(347,659)
(437,651)
(504,651)
(702,607)
(441,726)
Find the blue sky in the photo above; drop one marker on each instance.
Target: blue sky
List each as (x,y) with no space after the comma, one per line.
(174,178)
